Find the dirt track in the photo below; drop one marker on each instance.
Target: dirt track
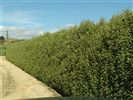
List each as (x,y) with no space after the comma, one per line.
(16,84)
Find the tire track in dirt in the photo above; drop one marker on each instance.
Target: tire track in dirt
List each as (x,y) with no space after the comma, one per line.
(7,83)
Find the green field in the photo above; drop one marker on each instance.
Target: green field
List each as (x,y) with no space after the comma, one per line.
(2,50)
(92,59)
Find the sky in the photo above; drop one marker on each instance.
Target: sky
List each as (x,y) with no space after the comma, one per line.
(29,18)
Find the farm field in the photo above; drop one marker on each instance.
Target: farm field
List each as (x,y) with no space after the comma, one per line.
(2,50)
(92,59)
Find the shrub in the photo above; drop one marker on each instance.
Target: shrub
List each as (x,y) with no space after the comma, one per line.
(86,60)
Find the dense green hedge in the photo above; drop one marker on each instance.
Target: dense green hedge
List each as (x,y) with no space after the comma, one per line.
(92,59)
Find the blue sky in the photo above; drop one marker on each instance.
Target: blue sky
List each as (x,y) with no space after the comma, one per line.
(27,18)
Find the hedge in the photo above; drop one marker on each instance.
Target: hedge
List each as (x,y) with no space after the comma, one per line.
(92,59)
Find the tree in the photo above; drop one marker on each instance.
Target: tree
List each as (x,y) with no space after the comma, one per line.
(2,39)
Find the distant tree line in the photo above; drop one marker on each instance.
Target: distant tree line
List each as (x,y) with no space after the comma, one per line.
(2,39)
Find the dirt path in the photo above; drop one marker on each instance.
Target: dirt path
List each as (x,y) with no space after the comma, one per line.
(16,84)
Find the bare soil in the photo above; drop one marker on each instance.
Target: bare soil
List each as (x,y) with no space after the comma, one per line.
(17,84)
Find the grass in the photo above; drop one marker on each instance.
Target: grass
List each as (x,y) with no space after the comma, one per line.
(2,50)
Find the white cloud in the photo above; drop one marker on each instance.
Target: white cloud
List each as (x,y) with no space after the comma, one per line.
(24,24)
(20,33)
(19,17)
(4,28)
(54,30)
(69,25)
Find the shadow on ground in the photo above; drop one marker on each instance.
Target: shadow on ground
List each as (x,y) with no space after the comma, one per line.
(69,98)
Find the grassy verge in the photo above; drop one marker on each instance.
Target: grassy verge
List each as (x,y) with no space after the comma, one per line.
(2,50)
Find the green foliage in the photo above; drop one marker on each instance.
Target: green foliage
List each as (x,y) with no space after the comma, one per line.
(2,50)
(86,60)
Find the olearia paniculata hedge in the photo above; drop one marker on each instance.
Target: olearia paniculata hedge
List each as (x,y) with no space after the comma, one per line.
(91,59)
